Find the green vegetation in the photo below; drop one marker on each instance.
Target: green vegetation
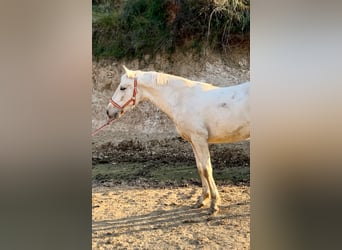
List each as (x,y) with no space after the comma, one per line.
(163,174)
(133,28)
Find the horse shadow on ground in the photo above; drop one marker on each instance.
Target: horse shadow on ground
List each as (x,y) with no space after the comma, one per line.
(165,220)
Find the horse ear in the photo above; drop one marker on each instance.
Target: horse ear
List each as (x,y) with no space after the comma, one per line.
(125,68)
(129,73)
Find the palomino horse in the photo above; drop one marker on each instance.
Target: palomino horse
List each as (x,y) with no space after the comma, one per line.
(202,114)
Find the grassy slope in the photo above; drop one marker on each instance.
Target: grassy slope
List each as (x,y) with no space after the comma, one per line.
(134,28)
(164,174)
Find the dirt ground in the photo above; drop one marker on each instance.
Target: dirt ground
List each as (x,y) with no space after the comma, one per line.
(126,217)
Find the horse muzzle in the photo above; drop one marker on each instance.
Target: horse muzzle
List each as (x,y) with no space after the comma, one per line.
(113,113)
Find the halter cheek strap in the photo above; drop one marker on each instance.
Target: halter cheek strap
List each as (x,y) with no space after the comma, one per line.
(132,99)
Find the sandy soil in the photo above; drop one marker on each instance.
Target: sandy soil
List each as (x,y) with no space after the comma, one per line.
(127,217)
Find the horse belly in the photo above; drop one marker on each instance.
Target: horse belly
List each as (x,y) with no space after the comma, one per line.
(226,134)
(228,126)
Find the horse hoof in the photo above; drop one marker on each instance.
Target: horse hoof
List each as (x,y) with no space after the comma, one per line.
(198,205)
(201,203)
(214,210)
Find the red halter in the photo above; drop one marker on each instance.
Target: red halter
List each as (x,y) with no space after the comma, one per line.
(130,100)
(119,107)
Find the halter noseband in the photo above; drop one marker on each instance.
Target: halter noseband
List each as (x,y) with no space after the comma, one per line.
(132,99)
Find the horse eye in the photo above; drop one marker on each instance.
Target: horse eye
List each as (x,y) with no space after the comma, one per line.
(122,88)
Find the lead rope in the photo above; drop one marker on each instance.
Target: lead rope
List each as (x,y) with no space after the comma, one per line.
(103,126)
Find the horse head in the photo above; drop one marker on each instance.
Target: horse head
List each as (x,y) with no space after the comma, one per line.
(125,96)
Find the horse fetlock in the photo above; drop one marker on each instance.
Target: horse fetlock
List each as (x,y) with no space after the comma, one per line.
(214,210)
(214,205)
(217,199)
(203,200)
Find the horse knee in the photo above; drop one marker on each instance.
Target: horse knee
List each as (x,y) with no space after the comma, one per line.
(207,172)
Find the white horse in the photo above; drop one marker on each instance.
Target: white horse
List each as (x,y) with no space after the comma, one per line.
(202,113)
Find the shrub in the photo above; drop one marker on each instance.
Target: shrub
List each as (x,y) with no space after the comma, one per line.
(133,28)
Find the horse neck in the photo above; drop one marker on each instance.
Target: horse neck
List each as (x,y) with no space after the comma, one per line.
(164,96)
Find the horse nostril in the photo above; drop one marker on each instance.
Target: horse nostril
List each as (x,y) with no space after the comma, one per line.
(107,112)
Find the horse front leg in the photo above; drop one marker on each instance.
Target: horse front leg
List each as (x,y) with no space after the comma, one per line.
(202,154)
(204,198)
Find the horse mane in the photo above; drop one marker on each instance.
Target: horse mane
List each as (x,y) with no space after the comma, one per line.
(163,79)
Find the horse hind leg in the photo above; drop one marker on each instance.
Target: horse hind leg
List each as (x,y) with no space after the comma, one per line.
(204,198)
(215,197)
(202,154)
